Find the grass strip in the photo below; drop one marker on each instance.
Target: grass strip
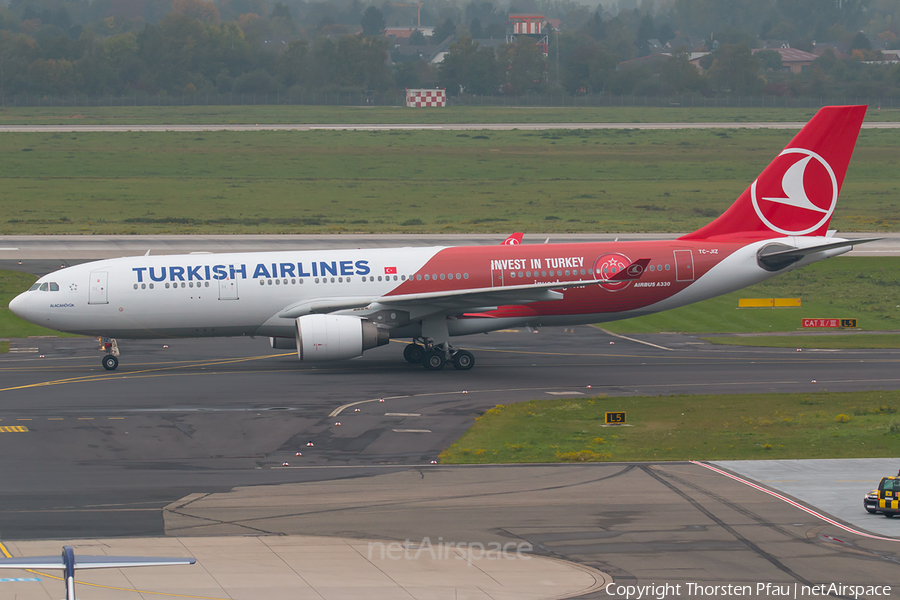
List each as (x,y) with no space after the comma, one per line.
(707,427)
(4,347)
(407,181)
(312,115)
(824,342)
(867,288)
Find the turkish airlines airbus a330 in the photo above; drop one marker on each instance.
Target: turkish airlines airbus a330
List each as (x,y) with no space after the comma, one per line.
(337,304)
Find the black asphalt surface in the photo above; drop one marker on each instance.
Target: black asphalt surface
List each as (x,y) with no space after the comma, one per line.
(104,451)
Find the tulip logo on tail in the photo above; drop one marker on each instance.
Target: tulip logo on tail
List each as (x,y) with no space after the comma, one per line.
(796,194)
(610,265)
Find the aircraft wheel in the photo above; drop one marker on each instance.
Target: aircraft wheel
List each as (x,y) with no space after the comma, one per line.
(463,360)
(414,353)
(110,362)
(434,360)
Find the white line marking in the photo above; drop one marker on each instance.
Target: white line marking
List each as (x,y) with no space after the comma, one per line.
(341,409)
(634,340)
(794,504)
(402,414)
(565,393)
(10,249)
(411,430)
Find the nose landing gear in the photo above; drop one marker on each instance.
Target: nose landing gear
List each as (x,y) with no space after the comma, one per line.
(111,348)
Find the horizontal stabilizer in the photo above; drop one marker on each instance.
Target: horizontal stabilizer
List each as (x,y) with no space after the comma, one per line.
(774,257)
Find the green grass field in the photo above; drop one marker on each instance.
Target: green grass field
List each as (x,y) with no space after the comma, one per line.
(4,347)
(408,181)
(112,115)
(826,342)
(13,283)
(714,427)
(843,287)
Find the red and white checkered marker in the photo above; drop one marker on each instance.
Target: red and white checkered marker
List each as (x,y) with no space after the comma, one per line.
(41,356)
(337,424)
(165,345)
(381,399)
(355,410)
(285,464)
(309,444)
(799,350)
(298,454)
(434,462)
(426,98)
(813,381)
(588,387)
(612,343)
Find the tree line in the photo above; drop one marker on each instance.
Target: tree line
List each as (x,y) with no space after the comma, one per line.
(61,47)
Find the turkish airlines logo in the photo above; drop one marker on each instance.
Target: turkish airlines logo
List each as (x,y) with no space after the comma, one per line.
(796,194)
(511,242)
(635,270)
(610,265)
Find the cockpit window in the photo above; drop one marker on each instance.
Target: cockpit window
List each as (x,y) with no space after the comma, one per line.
(44,287)
(34,287)
(54,287)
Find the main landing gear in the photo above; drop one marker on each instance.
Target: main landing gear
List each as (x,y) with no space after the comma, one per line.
(435,357)
(111,348)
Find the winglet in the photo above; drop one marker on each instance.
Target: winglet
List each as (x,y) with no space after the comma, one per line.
(632,271)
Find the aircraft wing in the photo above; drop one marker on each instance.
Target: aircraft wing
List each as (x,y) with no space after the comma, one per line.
(91,562)
(462,299)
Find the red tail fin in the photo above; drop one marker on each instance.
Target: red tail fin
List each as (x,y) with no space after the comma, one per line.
(797,193)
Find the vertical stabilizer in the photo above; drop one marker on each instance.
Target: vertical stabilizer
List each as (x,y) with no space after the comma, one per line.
(797,193)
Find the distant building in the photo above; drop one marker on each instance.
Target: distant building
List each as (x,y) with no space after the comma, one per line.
(792,60)
(403,33)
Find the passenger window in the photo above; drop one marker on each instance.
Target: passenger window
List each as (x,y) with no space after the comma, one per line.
(426,277)
(667,267)
(167,286)
(44,287)
(261,282)
(465,275)
(143,286)
(332,280)
(651,268)
(135,286)
(442,276)
(418,277)
(151,286)
(277,282)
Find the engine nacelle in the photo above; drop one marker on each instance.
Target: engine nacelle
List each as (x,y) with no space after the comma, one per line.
(281,343)
(336,337)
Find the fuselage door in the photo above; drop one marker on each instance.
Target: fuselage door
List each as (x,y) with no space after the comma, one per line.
(684,265)
(496,278)
(228,289)
(97,292)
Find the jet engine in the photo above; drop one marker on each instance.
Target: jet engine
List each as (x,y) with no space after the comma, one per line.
(336,337)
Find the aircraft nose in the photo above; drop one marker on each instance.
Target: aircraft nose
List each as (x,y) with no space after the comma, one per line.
(17,305)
